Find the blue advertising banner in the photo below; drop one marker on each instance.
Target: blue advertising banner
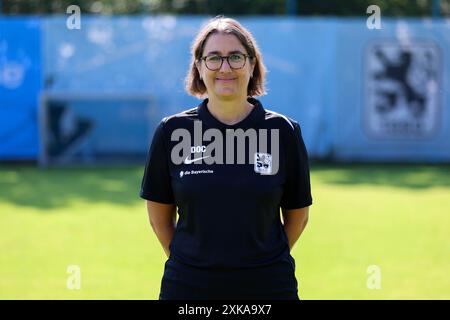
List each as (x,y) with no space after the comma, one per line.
(20,84)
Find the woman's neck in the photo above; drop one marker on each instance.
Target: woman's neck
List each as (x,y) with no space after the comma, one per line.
(229,112)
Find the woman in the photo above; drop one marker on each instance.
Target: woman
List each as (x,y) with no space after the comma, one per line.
(229,241)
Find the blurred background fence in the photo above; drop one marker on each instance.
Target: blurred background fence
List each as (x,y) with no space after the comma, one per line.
(359,94)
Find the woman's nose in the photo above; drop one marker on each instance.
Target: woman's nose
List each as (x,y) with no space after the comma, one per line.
(225,66)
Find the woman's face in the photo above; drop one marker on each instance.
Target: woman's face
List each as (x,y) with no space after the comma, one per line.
(225,83)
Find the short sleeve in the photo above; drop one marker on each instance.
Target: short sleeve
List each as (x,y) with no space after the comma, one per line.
(297,187)
(156,182)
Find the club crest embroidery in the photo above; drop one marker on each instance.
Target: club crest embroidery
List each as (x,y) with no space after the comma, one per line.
(263,163)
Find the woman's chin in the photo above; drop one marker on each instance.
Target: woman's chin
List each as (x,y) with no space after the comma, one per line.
(226,93)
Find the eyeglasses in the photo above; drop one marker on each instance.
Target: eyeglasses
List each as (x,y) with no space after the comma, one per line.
(235,61)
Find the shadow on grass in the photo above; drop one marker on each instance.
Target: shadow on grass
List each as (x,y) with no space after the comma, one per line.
(60,187)
(52,188)
(395,175)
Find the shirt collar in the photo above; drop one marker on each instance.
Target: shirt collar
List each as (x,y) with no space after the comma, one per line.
(249,121)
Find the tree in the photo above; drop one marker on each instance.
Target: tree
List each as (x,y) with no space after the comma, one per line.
(227,7)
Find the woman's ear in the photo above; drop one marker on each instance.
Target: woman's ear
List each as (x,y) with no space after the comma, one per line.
(199,70)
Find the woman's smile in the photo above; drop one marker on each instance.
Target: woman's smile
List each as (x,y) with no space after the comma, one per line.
(226,80)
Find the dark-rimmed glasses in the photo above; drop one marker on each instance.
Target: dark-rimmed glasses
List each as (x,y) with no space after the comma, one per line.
(235,61)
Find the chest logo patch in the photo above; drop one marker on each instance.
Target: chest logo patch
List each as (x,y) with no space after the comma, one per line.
(263,163)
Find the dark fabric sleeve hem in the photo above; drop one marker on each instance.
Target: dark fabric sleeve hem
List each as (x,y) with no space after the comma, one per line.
(297,206)
(154,198)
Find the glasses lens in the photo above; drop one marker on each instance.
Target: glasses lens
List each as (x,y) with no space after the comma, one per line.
(237,60)
(213,62)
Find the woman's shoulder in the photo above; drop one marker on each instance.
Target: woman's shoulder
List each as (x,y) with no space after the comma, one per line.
(181,119)
(281,121)
(191,114)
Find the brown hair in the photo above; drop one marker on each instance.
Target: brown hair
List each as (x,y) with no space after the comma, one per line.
(220,24)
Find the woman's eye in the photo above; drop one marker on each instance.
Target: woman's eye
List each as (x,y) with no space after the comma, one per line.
(235,57)
(214,58)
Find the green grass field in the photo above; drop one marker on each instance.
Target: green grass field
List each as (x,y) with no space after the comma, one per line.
(395,217)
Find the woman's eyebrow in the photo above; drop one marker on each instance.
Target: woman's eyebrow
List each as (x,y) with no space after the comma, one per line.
(219,53)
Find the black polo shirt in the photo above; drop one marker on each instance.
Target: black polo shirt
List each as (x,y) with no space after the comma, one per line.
(229,212)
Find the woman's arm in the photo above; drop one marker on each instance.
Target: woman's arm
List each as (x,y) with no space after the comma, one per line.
(295,221)
(163,220)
